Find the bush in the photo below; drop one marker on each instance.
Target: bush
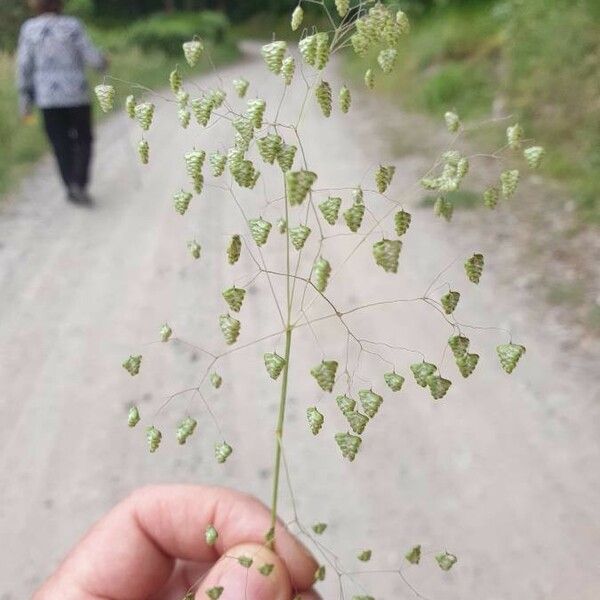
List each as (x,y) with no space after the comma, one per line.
(168,32)
(84,9)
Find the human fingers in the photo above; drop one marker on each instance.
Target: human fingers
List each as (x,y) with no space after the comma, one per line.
(131,552)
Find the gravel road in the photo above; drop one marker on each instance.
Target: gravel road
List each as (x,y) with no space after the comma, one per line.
(503,472)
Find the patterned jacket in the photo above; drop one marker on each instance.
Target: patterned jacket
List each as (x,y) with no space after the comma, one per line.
(52,55)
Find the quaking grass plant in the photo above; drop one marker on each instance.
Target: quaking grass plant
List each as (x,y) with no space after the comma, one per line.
(261,140)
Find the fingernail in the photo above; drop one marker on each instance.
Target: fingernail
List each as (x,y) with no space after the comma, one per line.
(248,571)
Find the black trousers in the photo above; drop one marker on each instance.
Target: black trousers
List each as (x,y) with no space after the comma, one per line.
(70,133)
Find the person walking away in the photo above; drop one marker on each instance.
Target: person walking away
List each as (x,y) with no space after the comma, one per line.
(52,55)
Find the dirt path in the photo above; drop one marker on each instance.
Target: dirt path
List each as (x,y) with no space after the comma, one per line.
(503,472)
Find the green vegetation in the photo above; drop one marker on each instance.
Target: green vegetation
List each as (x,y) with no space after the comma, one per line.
(536,60)
(134,58)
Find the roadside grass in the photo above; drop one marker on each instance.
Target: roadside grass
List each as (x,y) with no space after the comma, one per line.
(534,60)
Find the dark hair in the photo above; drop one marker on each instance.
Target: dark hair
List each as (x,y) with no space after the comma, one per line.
(46,6)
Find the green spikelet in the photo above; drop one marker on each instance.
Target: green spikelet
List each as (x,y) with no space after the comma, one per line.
(450,301)
(269,147)
(394,381)
(256,112)
(245,128)
(274,364)
(474,267)
(354,215)
(106,97)
(365,556)
(230,328)
(514,136)
(370,402)
(211,535)
(330,209)
(132,364)
(130,106)
(260,229)
(185,429)
(534,155)
(234,249)
(360,44)
(446,561)
(241,86)
(214,593)
(144,151)
(342,7)
(299,235)
(345,404)
(402,221)
(245,561)
(466,364)
(459,344)
(370,78)
(216,380)
(184,117)
(286,157)
(321,50)
(244,173)
(386,253)
(324,373)
(321,272)
(222,452)
(266,569)
(182,201)
(387,59)
(175,80)
(383,177)
(308,49)
(144,113)
(182,98)
(234,297)
(297,17)
(193,51)
(154,437)
(323,95)
(194,161)
(452,121)
(273,54)
(288,68)
(319,528)
(349,444)
(438,386)
(165,333)
(402,22)
(345,99)
(217,97)
(298,184)
(202,109)
(443,208)
(320,574)
(422,371)
(357,421)
(133,417)
(217,163)
(491,196)
(509,355)
(413,556)
(509,181)
(315,419)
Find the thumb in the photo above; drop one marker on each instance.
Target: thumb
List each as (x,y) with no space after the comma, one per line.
(248,571)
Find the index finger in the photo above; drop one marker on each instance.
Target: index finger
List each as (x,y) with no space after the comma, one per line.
(131,552)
